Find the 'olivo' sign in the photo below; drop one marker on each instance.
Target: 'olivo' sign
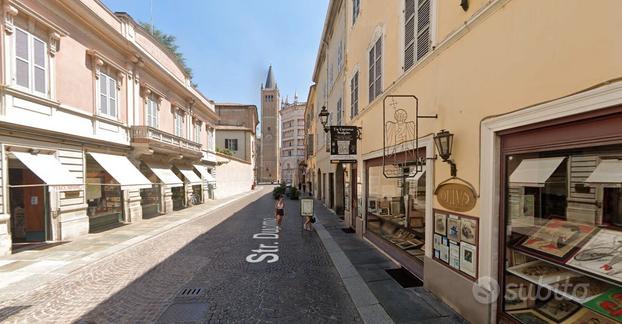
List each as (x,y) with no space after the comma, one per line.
(456,197)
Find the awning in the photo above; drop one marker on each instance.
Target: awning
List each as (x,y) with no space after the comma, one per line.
(607,172)
(48,168)
(418,176)
(190,176)
(165,175)
(204,173)
(122,170)
(535,172)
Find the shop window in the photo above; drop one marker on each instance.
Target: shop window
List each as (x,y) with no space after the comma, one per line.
(389,216)
(103,196)
(563,261)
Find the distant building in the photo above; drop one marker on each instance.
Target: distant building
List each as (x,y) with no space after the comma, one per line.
(268,170)
(292,140)
(236,130)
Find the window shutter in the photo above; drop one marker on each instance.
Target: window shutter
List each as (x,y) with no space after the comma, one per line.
(103,91)
(423,28)
(39,49)
(409,34)
(378,85)
(372,77)
(112,83)
(21,58)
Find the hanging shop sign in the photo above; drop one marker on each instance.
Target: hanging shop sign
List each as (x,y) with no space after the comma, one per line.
(456,196)
(401,136)
(343,144)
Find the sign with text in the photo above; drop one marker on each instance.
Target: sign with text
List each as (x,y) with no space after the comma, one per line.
(343,144)
(306,207)
(456,197)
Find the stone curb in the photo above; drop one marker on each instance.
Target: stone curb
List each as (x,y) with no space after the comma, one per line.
(364,300)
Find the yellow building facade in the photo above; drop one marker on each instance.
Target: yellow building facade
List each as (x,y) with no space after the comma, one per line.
(521,85)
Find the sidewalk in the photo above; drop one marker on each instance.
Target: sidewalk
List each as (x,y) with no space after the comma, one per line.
(378,297)
(30,269)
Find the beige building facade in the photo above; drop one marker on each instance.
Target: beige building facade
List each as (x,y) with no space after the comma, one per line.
(99,124)
(236,130)
(268,169)
(521,85)
(292,141)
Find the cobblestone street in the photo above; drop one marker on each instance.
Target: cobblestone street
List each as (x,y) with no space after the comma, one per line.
(143,283)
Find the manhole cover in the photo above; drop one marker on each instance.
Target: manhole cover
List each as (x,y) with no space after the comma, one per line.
(404,277)
(190,292)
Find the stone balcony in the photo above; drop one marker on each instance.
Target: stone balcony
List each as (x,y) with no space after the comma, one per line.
(148,140)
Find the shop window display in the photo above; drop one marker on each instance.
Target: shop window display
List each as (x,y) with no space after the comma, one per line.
(151,198)
(563,245)
(387,210)
(104,198)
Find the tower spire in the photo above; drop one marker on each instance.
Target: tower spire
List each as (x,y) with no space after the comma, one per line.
(270,82)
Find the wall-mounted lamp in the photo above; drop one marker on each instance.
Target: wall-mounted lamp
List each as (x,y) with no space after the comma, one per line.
(324,118)
(444,142)
(464,4)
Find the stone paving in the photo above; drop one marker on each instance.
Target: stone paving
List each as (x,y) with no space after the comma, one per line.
(140,283)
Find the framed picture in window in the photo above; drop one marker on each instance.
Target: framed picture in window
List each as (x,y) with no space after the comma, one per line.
(440,223)
(468,259)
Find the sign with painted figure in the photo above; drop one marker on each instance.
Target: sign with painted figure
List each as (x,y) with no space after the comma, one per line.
(343,144)
(306,207)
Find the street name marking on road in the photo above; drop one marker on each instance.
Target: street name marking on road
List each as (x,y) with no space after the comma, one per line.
(267,253)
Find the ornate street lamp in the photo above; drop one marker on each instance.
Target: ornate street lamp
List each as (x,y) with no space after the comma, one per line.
(324,118)
(444,142)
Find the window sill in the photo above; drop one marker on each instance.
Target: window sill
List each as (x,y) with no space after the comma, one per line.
(110,119)
(22,94)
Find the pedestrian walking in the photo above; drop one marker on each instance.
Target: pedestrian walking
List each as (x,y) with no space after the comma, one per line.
(280,210)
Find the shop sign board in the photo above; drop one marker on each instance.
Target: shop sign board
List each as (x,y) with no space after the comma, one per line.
(343,144)
(306,207)
(456,196)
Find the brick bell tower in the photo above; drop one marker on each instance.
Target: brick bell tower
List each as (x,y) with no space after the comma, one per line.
(269,169)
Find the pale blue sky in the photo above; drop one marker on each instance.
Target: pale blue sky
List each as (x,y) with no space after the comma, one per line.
(230,44)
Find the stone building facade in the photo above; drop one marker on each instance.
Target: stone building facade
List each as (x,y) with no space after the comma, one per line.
(268,169)
(292,140)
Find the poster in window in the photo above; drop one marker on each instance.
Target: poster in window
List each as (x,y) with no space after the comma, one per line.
(468,259)
(343,144)
(586,316)
(529,316)
(557,239)
(453,228)
(558,309)
(444,250)
(608,304)
(93,188)
(440,223)
(601,255)
(468,230)
(454,255)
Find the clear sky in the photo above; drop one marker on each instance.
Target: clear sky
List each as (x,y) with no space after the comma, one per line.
(230,44)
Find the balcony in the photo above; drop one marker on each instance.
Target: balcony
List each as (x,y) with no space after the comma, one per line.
(148,140)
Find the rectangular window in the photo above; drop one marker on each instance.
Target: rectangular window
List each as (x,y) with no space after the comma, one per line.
(417,36)
(375,70)
(179,124)
(356,7)
(231,144)
(210,139)
(197,132)
(152,112)
(107,94)
(354,95)
(30,62)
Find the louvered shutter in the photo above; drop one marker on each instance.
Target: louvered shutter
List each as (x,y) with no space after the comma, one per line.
(409,34)
(372,73)
(21,58)
(423,28)
(39,66)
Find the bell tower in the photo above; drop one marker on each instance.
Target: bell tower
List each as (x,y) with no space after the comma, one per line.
(269,169)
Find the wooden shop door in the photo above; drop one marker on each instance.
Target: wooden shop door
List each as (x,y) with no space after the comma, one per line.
(34,208)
